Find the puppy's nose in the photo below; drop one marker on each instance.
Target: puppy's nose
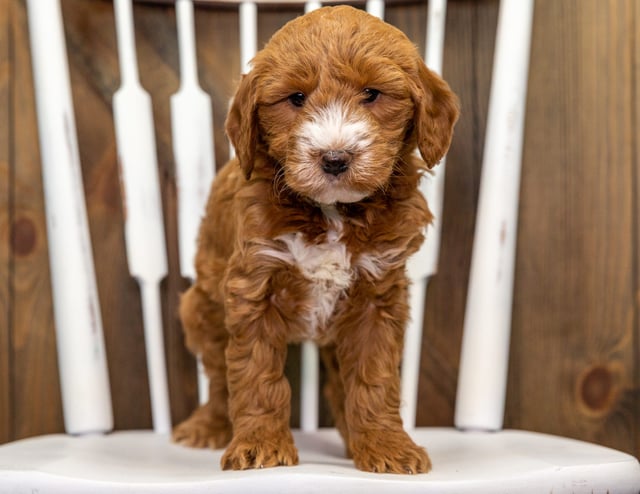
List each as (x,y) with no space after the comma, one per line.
(336,162)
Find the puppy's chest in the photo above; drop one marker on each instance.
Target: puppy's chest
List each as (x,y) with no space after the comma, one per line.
(328,271)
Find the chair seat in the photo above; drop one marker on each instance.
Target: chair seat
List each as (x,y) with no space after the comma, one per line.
(144,462)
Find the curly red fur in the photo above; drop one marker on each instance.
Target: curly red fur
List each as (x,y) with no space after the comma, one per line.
(290,249)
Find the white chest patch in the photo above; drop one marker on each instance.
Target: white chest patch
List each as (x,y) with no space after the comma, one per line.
(327,266)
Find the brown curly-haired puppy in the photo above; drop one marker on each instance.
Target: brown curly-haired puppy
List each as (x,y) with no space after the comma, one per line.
(306,236)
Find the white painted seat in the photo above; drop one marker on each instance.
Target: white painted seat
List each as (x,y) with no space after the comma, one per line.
(477,457)
(144,462)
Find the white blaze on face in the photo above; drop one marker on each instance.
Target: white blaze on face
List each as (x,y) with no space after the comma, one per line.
(332,128)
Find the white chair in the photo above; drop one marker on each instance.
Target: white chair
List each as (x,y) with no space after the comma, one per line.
(475,457)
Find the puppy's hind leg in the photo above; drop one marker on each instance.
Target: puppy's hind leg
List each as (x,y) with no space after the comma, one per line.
(203,322)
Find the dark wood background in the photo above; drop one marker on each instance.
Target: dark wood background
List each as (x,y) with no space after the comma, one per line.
(576,335)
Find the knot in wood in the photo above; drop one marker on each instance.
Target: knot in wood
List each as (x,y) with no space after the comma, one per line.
(596,389)
(24,236)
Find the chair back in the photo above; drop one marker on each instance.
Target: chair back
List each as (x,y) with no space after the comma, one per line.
(81,350)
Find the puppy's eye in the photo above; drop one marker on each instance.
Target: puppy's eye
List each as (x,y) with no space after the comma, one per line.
(370,95)
(297,99)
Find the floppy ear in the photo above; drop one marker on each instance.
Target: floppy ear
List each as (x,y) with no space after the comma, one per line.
(242,123)
(436,112)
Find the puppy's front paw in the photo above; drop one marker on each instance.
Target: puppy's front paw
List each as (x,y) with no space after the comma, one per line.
(203,431)
(260,450)
(389,452)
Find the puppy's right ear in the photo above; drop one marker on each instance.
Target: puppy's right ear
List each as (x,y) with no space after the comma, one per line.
(437,110)
(242,123)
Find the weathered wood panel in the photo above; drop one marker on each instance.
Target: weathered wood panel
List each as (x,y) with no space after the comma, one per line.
(575,311)
(635,163)
(5,227)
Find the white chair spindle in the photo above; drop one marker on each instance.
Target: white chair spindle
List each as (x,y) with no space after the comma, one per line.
(248,12)
(84,380)
(310,386)
(310,6)
(375,8)
(248,34)
(424,263)
(309,358)
(144,226)
(192,132)
(485,347)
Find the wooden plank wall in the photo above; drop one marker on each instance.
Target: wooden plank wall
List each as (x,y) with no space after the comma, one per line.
(576,340)
(5,309)
(576,336)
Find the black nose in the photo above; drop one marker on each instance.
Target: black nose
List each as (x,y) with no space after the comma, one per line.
(336,162)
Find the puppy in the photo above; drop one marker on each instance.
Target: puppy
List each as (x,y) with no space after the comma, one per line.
(306,236)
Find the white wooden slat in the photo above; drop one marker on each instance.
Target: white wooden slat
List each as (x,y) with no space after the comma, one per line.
(248,13)
(309,358)
(144,227)
(192,132)
(410,368)
(310,386)
(310,6)
(485,347)
(424,263)
(248,34)
(375,8)
(82,364)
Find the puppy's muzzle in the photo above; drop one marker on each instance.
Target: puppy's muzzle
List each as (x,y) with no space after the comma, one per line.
(336,162)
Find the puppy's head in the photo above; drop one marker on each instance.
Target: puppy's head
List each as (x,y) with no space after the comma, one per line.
(338,100)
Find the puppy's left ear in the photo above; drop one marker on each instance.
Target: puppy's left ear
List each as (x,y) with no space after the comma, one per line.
(242,123)
(436,112)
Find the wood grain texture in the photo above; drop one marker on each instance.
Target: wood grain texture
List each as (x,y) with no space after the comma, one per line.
(36,404)
(5,224)
(635,81)
(576,328)
(217,39)
(573,370)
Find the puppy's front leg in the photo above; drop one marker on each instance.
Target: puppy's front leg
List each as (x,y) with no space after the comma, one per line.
(259,405)
(259,393)
(369,353)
